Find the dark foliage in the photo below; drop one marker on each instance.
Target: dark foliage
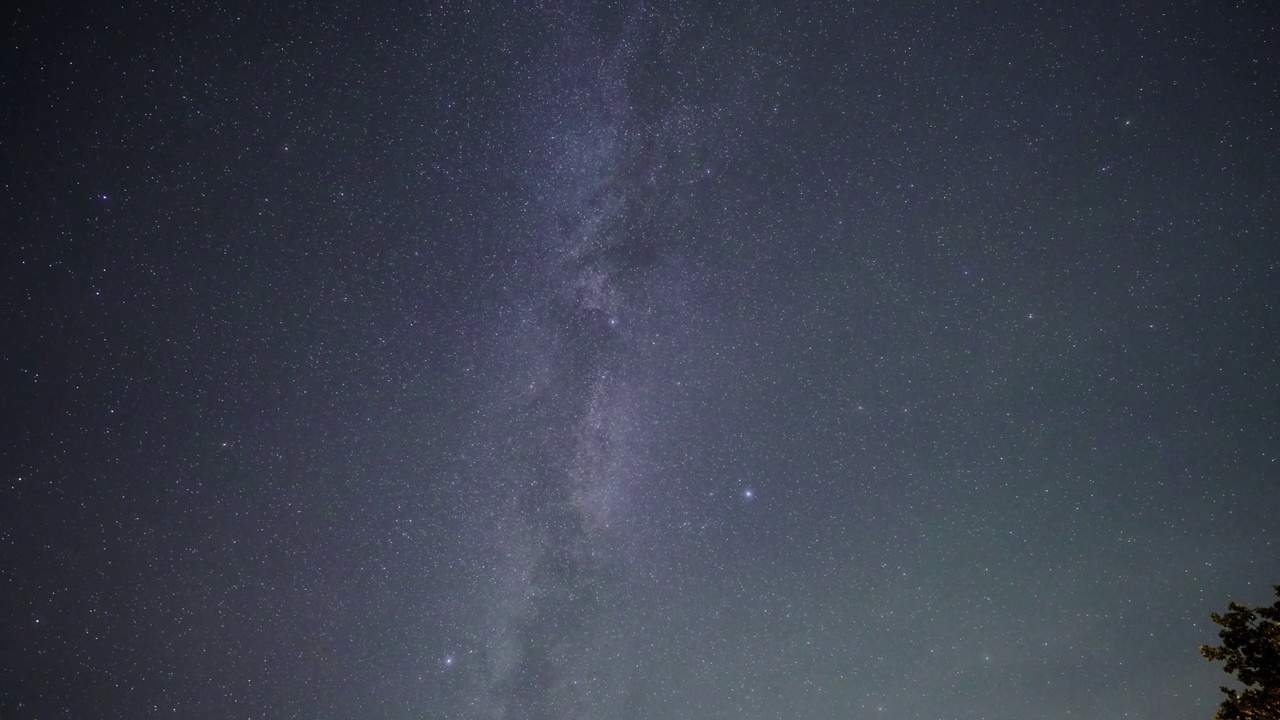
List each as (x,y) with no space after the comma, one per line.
(1251,648)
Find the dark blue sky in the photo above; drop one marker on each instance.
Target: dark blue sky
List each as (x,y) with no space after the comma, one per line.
(875,360)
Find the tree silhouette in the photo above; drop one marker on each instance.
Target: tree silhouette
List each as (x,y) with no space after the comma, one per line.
(1251,649)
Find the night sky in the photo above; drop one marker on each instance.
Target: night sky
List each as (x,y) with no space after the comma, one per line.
(635,361)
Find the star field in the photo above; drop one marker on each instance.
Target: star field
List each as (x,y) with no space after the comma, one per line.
(635,360)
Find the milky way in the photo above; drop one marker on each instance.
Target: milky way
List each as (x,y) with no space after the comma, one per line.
(563,436)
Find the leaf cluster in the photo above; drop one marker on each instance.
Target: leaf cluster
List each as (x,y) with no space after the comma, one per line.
(1251,649)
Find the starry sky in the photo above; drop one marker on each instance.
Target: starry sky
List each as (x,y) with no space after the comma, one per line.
(637,360)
